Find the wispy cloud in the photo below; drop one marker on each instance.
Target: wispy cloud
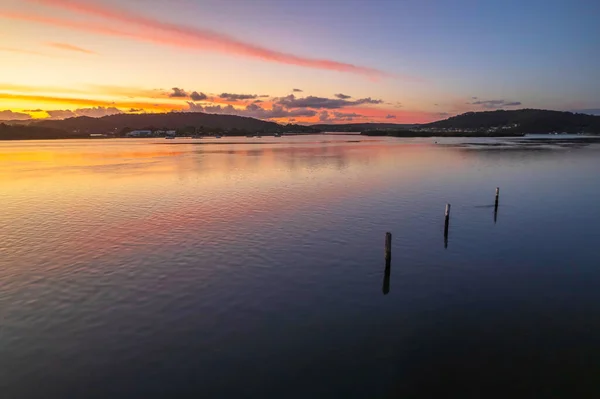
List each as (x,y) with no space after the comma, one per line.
(71,47)
(252,110)
(343,96)
(322,102)
(123,91)
(178,93)
(390,116)
(8,115)
(83,102)
(324,116)
(22,51)
(94,112)
(346,116)
(198,96)
(491,104)
(297,90)
(183,36)
(233,97)
(335,116)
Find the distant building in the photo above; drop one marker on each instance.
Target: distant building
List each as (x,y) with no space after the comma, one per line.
(165,133)
(139,133)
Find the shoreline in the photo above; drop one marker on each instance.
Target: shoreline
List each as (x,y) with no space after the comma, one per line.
(438,135)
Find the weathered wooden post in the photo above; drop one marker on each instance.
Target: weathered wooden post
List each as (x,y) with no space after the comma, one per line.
(496,204)
(446,225)
(388,262)
(497,196)
(388,246)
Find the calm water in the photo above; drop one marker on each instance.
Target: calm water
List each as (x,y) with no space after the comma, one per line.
(254,268)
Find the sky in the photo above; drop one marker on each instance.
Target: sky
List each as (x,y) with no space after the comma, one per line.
(298,61)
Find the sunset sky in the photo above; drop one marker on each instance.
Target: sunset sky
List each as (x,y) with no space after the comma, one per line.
(298,61)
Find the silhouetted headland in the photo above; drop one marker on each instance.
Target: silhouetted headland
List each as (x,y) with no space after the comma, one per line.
(499,124)
(185,124)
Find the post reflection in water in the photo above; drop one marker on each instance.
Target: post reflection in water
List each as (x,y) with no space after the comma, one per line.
(386,277)
(446,228)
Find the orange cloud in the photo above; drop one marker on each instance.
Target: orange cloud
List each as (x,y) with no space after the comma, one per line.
(65,23)
(371,114)
(123,97)
(70,47)
(195,38)
(36,99)
(402,116)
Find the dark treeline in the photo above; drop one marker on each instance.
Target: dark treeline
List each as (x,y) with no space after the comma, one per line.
(184,122)
(499,124)
(438,133)
(359,127)
(471,124)
(17,132)
(523,121)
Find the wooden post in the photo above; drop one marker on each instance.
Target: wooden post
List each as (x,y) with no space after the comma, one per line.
(496,204)
(497,196)
(446,225)
(388,246)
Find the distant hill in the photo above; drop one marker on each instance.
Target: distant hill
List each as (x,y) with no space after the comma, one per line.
(359,127)
(19,132)
(185,123)
(521,121)
(488,123)
(172,120)
(18,122)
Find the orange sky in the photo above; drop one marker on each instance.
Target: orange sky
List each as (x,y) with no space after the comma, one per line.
(86,57)
(99,100)
(90,57)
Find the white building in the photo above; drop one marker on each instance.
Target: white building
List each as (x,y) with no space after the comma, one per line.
(139,133)
(165,133)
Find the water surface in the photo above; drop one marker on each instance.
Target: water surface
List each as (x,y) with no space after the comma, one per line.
(255,268)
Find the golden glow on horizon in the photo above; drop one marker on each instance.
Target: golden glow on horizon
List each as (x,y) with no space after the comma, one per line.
(28,99)
(93,55)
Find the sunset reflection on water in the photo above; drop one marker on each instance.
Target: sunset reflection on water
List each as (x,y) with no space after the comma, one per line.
(265,256)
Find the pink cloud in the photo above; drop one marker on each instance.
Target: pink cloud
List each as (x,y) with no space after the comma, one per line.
(70,47)
(64,23)
(197,38)
(401,116)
